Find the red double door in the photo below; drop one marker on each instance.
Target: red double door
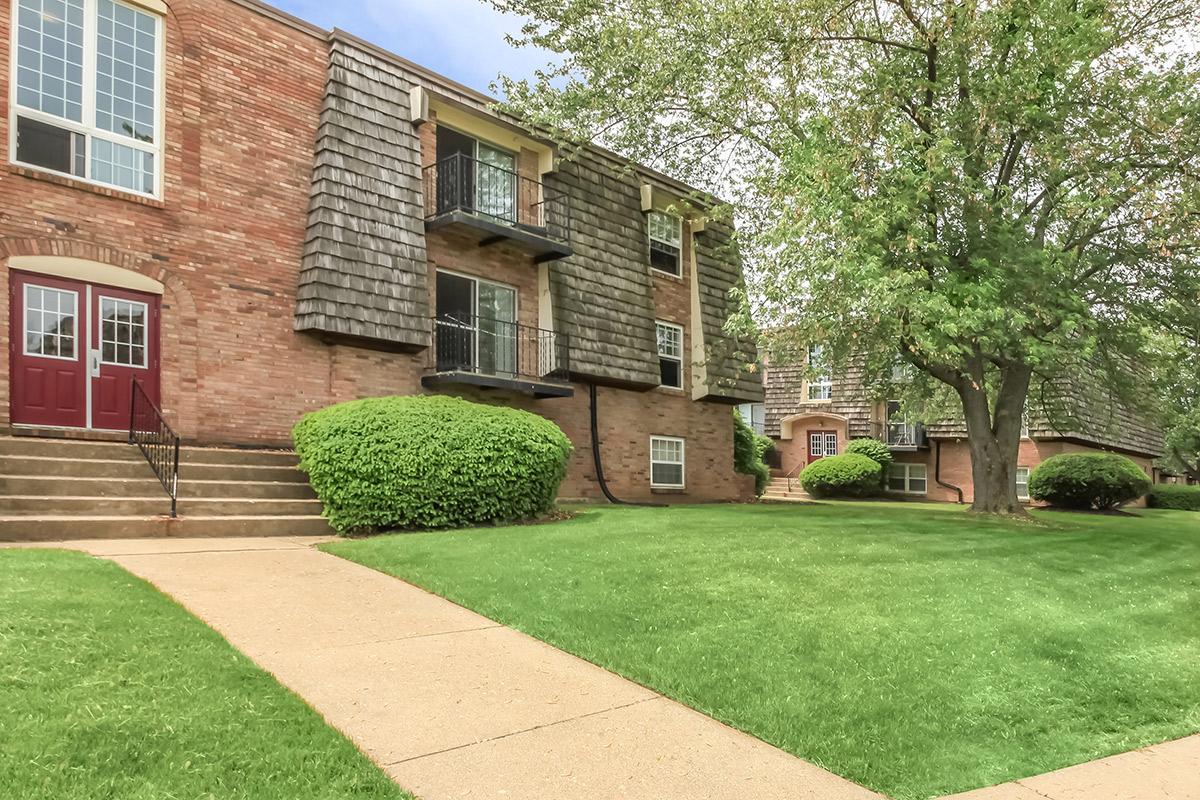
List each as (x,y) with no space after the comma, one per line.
(75,348)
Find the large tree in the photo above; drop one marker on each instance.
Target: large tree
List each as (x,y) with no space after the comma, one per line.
(998,193)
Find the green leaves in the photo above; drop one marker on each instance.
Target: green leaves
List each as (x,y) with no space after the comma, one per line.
(429,462)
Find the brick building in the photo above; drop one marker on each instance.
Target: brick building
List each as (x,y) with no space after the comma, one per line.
(810,416)
(255,218)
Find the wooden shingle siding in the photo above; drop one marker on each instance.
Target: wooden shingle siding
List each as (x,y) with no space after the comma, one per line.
(785,396)
(364,271)
(728,360)
(603,294)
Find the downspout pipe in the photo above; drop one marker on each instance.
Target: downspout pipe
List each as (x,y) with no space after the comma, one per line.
(598,462)
(937,472)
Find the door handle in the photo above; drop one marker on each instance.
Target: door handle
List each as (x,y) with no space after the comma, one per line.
(94,363)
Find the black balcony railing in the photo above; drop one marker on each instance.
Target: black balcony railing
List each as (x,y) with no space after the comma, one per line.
(461,183)
(158,443)
(900,434)
(494,348)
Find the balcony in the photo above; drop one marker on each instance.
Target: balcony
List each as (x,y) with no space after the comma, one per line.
(494,354)
(497,205)
(899,435)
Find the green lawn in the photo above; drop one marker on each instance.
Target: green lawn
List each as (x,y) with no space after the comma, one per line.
(912,648)
(110,690)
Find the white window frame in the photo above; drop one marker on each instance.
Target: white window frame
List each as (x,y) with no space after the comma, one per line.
(907,467)
(145,332)
(676,357)
(677,244)
(754,415)
(682,462)
(1028,472)
(823,383)
(88,126)
(25,322)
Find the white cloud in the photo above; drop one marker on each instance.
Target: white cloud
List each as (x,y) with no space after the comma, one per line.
(462,39)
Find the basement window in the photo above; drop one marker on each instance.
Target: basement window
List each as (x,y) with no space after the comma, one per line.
(670,354)
(666,242)
(907,478)
(1022,483)
(87,77)
(666,462)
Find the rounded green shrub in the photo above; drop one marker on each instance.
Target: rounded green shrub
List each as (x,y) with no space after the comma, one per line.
(847,475)
(1177,496)
(429,462)
(1087,480)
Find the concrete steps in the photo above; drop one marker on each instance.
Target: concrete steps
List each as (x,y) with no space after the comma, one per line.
(54,489)
(777,490)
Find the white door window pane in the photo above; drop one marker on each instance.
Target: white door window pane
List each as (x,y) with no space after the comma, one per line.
(49,322)
(122,332)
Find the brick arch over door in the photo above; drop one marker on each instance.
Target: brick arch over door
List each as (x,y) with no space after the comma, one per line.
(180,339)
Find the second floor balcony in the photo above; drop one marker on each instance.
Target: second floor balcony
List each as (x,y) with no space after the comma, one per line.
(489,353)
(498,204)
(900,435)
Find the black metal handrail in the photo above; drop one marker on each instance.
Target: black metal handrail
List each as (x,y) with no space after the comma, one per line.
(459,182)
(158,443)
(486,346)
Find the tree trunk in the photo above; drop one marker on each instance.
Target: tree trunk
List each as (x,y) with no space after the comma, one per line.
(995,439)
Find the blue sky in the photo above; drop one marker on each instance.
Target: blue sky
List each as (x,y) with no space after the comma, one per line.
(462,39)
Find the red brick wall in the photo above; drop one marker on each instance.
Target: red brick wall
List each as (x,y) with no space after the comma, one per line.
(243,96)
(956,463)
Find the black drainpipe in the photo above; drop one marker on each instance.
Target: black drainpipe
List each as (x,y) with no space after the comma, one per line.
(937,472)
(599,465)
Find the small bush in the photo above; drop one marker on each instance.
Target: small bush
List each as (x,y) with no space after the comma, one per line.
(1087,480)
(847,475)
(429,462)
(749,448)
(1178,496)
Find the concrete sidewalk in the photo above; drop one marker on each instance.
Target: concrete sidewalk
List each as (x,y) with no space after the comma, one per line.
(449,703)
(1167,771)
(452,704)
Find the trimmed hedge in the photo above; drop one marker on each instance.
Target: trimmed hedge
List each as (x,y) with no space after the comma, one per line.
(1087,480)
(749,448)
(429,462)
(847,475)
(1178,496)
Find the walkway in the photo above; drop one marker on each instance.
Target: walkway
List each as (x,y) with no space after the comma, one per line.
(449,703)
(453,705)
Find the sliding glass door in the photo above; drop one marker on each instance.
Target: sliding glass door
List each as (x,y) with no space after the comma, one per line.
(476,325)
